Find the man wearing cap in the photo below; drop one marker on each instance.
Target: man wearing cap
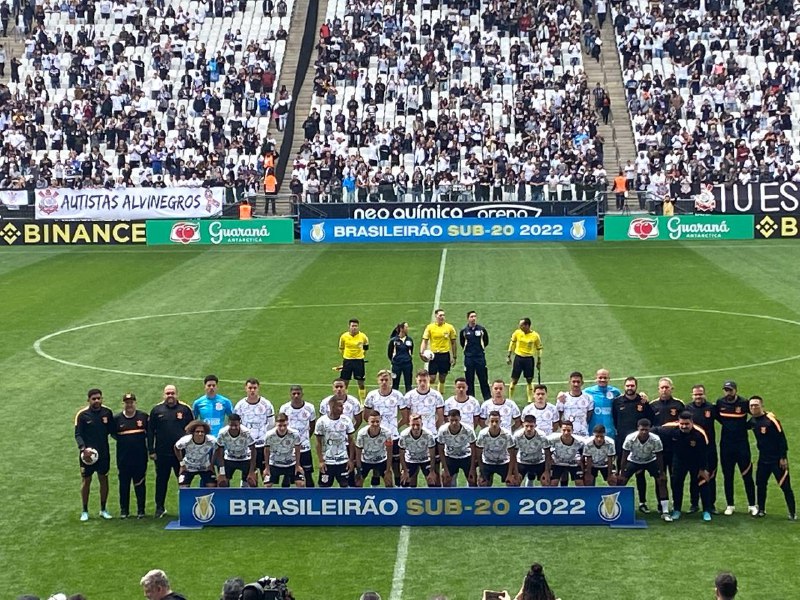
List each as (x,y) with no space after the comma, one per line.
(130,432)
(734,447)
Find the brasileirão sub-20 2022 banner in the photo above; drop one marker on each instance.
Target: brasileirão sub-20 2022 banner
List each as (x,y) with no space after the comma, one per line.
(500,506)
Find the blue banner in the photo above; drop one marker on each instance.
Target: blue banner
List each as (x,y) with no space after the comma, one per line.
(546,229)
(401,506)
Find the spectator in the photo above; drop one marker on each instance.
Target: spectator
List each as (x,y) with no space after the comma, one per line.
(725,586)
(535,586)
(232,588)
(156,586)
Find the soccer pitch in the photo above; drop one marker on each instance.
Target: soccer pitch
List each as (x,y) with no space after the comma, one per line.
(136,319)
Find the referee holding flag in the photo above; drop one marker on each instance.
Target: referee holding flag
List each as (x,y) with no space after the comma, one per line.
(473,340)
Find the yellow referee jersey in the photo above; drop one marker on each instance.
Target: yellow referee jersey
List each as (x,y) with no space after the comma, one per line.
(525,344)
(353,346)
(439,336)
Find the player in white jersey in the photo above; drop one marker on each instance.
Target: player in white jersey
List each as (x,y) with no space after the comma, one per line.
(194,453)
(546,413)
(567,452)
(533,453)
(419,447)
(599,456)
(334,433)
(506,407)
(372,443)
(282,451)
(236,451)
(497,452)
(302,418)
(457,442)
(643,451)
(468,406)
(351,407)
(576,405)
(425,402)
(388,402)
(258,415)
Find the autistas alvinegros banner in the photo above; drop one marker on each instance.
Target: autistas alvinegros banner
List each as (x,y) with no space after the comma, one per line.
(129,204)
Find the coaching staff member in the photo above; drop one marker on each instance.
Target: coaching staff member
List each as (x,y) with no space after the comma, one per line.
(626,411)
(440,338)
(704,416)
(473,340)
(167,422)
(772,449)
(130,432)
(734,447)
(353,345)
(93,424)
(400,353)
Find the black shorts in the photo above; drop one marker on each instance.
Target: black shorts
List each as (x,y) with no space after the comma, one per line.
(259,458)
(396,451)
(454,465)
(377,469)
(101,467)
(632,468)
(306,462)
(488,472)
(600,471)
(286,474)
(338,473)
(573,472)
(206,477)
(531,471)
(353,368)
(522,365)
(414,468)
(232,466)
(439,364)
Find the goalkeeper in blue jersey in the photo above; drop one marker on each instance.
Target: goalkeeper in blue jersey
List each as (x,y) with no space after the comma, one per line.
(212,407)
(603,396)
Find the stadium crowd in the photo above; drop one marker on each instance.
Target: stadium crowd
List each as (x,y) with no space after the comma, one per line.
(465,99)
(712,90)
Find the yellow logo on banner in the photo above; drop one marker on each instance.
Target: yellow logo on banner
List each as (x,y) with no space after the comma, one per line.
(10,233)
(578,230)
(203,509)
(610,508)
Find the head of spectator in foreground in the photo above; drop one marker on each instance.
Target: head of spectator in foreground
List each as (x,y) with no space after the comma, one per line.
(370,596)
(232,588)
(535,586)
(726,587)
(155,585)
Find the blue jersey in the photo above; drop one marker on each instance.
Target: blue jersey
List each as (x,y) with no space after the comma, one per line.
(212,411)
(603,399)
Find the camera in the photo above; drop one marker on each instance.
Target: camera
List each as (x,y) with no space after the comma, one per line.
(267,588)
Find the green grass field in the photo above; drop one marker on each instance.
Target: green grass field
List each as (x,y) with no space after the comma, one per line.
(136,319)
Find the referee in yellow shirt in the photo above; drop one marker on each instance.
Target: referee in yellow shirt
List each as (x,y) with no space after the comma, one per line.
(353,345)
(440,338)
(525,344)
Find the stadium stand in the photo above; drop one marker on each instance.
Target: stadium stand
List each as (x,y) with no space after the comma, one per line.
(458,100)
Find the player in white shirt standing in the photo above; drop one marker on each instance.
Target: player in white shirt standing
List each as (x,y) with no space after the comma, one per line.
(425,402)
(505,407)
(194,454)
(599,456)
(457,442)
(576,406)
(546,413)
(334,433)
(643,451)
(258,416)
(387,403)
(468,406)
(497,452)
(372,443)
(236,451)
(567,451)
(351,407)
(302,418)
(533,453)
(282,452)
(419,454)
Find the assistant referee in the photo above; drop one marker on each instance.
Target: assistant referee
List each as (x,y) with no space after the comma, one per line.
(353,345)
(526,346)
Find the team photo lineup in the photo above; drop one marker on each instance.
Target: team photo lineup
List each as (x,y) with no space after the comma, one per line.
(584,435)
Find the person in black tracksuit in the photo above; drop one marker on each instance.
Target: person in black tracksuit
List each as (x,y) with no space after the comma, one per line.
(473,339)
(130,432)
(400,353)
(704,415)
(772,460)
(734,447)
(666,409)
(688,445)
(93,425)
(167,422)
(626,410)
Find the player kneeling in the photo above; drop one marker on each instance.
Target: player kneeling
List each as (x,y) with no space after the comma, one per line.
(644,451)
(194,453)
(236,451)
(567,451)
(419,454)
(372,443)
(282,446)
(533,453)
(599,455)
(497,453)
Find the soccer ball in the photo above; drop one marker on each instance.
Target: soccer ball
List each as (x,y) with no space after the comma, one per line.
(428,354)
(93,456)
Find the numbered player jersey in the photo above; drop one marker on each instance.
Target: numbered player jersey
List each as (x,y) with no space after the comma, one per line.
(197,457)
(236,447)
(565,455)
(425,405)
(530,450)
(495,447)
(469,409)
(300,420)
(373,448)
(387,407)
(456,445)
(600,454)
(258,417)
(281,447)
(416,448)
(508,412)
(334,438)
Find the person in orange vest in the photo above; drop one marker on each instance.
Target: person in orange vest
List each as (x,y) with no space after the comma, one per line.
(245,210)
(620,189)
(270,189)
